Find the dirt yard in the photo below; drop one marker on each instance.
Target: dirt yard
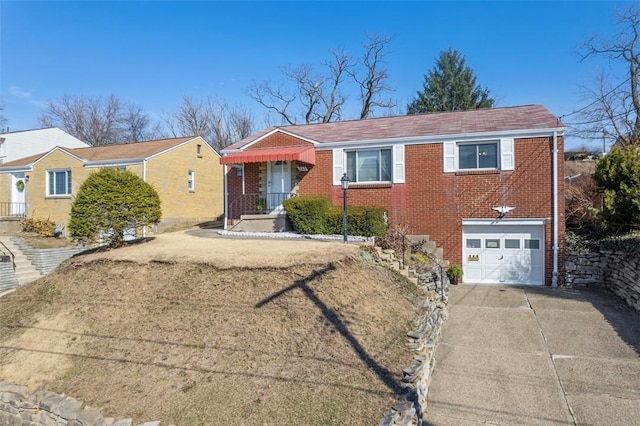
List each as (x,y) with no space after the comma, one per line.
(201,331)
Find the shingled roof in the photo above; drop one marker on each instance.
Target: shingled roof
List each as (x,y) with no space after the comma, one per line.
(138,150)
(528,117)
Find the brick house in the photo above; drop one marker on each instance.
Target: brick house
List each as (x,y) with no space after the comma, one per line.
(186,172)
(482,184)
(24,143)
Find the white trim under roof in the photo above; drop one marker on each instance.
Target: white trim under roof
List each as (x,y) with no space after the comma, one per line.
(429,139)
(503,221)
(114,162)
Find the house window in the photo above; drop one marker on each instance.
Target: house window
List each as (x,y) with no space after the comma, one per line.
(369,166)
(199,150)
(59,182)
(191,180)
(478,156)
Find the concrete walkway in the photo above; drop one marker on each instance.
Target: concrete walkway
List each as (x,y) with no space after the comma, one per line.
(536,355)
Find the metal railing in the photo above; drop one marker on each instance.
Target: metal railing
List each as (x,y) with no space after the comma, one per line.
(257,203)
(13,209)
(7,255)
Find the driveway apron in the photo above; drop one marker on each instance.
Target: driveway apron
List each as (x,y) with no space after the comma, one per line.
(536,355)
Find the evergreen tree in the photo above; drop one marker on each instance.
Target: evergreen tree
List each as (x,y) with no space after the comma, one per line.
(618,178)
(450,86)
(108,203)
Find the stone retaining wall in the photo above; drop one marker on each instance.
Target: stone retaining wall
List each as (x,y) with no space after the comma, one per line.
(617,270)
(43,408)
(46,260)
(8,279)
(422,342)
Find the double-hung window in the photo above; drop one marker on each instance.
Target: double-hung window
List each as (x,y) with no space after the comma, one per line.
(478,156)
(372,165)
(496,154)
(59,183)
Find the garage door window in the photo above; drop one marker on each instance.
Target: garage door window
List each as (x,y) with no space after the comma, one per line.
(492,244)
(511,244)
(532,244)
(473,243)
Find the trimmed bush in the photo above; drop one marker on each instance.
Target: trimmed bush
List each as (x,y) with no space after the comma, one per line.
(110,202)
(362,221)
(308,213)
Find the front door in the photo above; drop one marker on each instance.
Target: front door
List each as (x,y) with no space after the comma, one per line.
(278,184)
(18,191)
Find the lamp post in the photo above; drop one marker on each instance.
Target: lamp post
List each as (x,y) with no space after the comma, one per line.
(345,185)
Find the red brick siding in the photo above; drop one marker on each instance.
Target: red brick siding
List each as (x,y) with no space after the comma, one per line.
(435,203)
(279,139)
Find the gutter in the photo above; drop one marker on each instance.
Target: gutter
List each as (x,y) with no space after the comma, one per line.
(554,279)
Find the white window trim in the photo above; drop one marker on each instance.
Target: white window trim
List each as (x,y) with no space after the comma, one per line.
(451,154)
(397,171)
(47,183)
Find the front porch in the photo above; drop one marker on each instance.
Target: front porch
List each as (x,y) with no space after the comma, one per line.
(10,216)
(257,183)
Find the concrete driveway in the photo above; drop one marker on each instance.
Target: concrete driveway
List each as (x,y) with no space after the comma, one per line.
(536,355)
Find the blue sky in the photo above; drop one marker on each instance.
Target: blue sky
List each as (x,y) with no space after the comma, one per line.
(152,53)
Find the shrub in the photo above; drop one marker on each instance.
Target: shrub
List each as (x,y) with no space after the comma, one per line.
(308,213)
(364,221)
(618,178)
(41,226)
(108,203)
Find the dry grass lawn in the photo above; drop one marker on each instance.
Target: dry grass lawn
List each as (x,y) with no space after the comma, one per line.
(204,331)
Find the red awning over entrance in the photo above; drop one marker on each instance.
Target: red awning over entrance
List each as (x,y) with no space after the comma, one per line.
(305,154)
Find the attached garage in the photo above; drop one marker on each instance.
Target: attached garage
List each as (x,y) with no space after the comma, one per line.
(503,251)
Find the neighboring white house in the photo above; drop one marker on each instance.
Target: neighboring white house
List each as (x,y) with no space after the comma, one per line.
(15,145)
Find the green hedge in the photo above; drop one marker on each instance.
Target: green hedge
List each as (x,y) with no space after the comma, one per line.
(361,221)
(316,215)
(307,214)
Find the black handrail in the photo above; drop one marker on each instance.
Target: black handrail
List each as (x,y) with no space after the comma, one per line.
(13,256)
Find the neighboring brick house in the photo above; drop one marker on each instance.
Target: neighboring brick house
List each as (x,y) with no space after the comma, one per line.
(186,172)
(15,145)
(482,184)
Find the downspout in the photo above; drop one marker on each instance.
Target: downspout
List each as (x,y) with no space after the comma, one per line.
(144,178)
(226,198)
(554,278)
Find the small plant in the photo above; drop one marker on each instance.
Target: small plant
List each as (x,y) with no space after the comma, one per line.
(261,205)
(454,273)
(41,226)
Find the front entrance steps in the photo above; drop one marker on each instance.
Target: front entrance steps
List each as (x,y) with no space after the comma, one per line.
(262,223)
(25,271)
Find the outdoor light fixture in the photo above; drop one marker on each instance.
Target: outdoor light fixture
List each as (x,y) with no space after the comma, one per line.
(503,210)
(345,185)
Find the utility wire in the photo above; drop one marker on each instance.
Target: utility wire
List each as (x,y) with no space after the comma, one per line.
(601,98)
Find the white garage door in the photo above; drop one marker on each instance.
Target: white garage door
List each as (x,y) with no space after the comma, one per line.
(503,254)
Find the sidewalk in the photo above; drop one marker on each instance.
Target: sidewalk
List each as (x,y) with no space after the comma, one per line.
(536,355)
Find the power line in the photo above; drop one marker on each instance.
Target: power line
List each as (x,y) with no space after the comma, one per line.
(600,99)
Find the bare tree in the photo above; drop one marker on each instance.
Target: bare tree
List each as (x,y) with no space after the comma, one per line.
(318,97)
(97,120)
(314,97)
(218,123)
(614,110)
(372,77)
